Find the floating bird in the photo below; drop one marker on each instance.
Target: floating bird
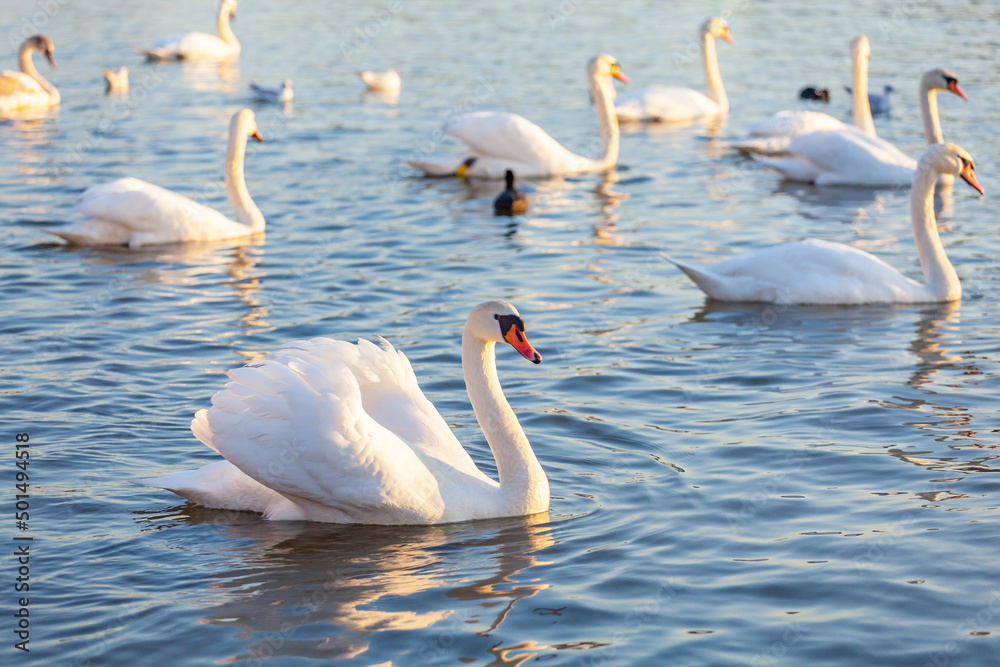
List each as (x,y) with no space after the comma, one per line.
(28,89)
(850,157)
(817,94)
(136,213)
(116,82)
(501,141)
(387,82)
(671,104)
(822,272)
(326,430)
(511,201)
(199,45)
(281,94)
(880,104)
(774,134)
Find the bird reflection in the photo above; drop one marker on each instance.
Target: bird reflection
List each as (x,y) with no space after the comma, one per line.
(932,330)
(327,591)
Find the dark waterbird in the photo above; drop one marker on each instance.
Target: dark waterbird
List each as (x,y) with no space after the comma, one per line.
(818,94)
(511,201)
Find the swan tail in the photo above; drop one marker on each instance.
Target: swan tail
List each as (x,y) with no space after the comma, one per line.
(440,165)
(92,233)
(763,145)
(708,282)
(794,168)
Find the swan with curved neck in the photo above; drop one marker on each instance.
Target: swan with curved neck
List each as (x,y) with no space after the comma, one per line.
(325,430)
(199,45)
(500,141)
(774,134)
(28,89)
(851,157)
(674,104)
(132,212)
(821,272)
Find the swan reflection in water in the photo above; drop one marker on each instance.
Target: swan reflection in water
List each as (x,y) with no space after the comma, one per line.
(326,591)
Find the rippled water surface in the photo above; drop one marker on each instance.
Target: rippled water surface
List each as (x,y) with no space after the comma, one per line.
(732,484)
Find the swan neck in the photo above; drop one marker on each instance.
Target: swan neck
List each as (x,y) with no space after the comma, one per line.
(713,79)
(603,93)
(929,114)
(236,185)
(861,110)
(226,33)
(523,484)
(28,67)
(939,274)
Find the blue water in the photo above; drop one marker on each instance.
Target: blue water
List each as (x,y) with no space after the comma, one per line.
(731,484)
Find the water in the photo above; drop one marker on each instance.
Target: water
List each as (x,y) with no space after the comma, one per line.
(732,484)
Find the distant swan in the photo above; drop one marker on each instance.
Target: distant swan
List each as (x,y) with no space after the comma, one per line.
(200,45)
(500,141)
(116,82)
(28,89)
(136,213)
(388,82)
(325,430)
(822,272)
(774,133)
(673,104)
(850,157)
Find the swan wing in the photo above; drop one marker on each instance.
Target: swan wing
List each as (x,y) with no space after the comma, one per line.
(665,103)
(16,83)
(792,123)
(193,46)
(297,424)
(845,157)
(506,136)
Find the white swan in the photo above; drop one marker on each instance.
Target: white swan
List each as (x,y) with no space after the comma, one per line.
(822,272)
(500,141)
(324,430)
(115,82)
(774,133)
(850,157)
(388,82)
(28,89)
(136,213)
(674,104)
(201,45)
(279,95)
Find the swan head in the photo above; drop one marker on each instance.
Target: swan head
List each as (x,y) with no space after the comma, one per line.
(244,123)
(43,45)
(230,7)
(943,79)
(605,65)
(950,159)
(499,322)
(717,28)
(861,48)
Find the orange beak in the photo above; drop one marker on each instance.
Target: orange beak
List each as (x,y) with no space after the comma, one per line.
(256,136)
(617,72)
(517,340)
(955,88)
(728,37)
(969,177)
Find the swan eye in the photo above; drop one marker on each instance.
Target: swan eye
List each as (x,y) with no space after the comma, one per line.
(509,321)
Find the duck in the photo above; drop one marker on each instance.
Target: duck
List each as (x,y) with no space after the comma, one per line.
(200,46)
(674,104)
(820,272)
(815,94)
(774,134)
(28,89)
(115,82)
(387,82)
(132,212)
(279,95)
(511,201)
(849,156)
(331,431)
(500,141)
